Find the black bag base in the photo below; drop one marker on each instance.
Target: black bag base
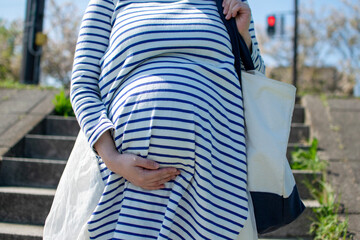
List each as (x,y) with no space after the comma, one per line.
(273,211)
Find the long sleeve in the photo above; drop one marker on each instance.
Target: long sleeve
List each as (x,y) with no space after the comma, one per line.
(255,55)
(92,43)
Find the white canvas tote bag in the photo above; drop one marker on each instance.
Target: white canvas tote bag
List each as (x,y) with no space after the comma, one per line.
(268,108)
(77,195)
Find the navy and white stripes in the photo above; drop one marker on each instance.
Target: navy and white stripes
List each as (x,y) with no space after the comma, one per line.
(160,74)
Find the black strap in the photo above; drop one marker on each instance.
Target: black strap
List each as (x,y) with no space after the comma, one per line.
(238,44)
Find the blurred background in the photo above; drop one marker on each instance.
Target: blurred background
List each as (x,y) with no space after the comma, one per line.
(314,45)
(328,42)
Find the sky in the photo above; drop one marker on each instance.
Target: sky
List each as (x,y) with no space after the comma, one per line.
(15,9)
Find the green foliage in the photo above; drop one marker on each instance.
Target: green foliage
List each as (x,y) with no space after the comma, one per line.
(307,159)
(12,84)
(62,105)
(10,56)
(327,225)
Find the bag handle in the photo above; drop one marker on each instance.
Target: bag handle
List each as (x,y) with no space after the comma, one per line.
(239,47)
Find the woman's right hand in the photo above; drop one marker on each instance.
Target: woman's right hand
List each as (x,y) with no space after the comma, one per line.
(141,172)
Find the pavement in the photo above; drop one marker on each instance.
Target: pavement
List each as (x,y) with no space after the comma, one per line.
(336,124)
(20,111)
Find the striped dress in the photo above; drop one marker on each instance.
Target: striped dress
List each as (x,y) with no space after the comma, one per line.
(160,75)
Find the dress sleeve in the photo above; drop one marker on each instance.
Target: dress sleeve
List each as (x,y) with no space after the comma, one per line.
(255,55)
(92,43)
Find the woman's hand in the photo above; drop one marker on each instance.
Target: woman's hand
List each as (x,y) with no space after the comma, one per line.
(139,171)
(242,14)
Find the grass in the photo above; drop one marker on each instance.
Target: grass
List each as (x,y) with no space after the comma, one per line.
(307,159)
(11,84)
(327,224)
(62,105)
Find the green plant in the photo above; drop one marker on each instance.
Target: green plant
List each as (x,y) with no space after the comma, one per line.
(10,56)
(12,84)
(324,100)
(327,225)
(62,105)
(307,159)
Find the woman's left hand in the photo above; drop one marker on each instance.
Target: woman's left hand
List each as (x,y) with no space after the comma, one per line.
(242,14)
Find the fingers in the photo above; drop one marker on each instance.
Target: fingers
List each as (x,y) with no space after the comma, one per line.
(158,180)
(156,177)
(152,175)
(159,184)
(233,7)
(163,173)
(146,163)
(145,173)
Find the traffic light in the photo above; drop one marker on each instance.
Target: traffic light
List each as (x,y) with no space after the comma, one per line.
(271,24)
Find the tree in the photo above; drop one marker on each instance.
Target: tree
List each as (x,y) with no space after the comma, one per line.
(62,33)
(343,31)
(310,51)
(10,50)
(321,38)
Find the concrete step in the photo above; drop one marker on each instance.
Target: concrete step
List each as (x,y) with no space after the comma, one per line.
(293,146)
(300,227)
(43,147)
(57,125)
(31,172)
(25,205)
(303,176)
(299,133)
(11,231)
(299,114)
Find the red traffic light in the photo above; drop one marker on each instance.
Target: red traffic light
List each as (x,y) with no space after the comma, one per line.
(271,25)
(271,21)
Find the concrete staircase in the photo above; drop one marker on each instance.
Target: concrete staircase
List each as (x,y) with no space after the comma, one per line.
(29,175)
(30,172)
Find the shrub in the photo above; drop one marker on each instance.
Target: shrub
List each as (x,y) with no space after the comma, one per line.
(62,105)
(307,159)
(327,224)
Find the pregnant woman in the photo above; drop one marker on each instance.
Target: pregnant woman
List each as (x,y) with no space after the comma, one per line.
(156,94)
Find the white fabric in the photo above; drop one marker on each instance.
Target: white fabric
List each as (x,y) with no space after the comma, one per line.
(268,105)
(249,232)
(77,195)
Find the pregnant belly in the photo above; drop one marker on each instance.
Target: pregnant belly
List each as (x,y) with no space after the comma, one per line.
(154,118)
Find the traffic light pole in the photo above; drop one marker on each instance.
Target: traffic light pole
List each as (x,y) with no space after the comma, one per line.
(295,43)
(30,73)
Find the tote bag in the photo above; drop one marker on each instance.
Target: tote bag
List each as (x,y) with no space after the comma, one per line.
(268,107)
(77,195)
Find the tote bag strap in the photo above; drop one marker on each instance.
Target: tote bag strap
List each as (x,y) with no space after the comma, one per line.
(239,47)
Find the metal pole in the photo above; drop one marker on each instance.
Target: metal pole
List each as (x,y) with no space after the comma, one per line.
(30,72)
(295,44)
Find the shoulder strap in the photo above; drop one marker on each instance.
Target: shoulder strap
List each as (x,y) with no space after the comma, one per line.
(239,47)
